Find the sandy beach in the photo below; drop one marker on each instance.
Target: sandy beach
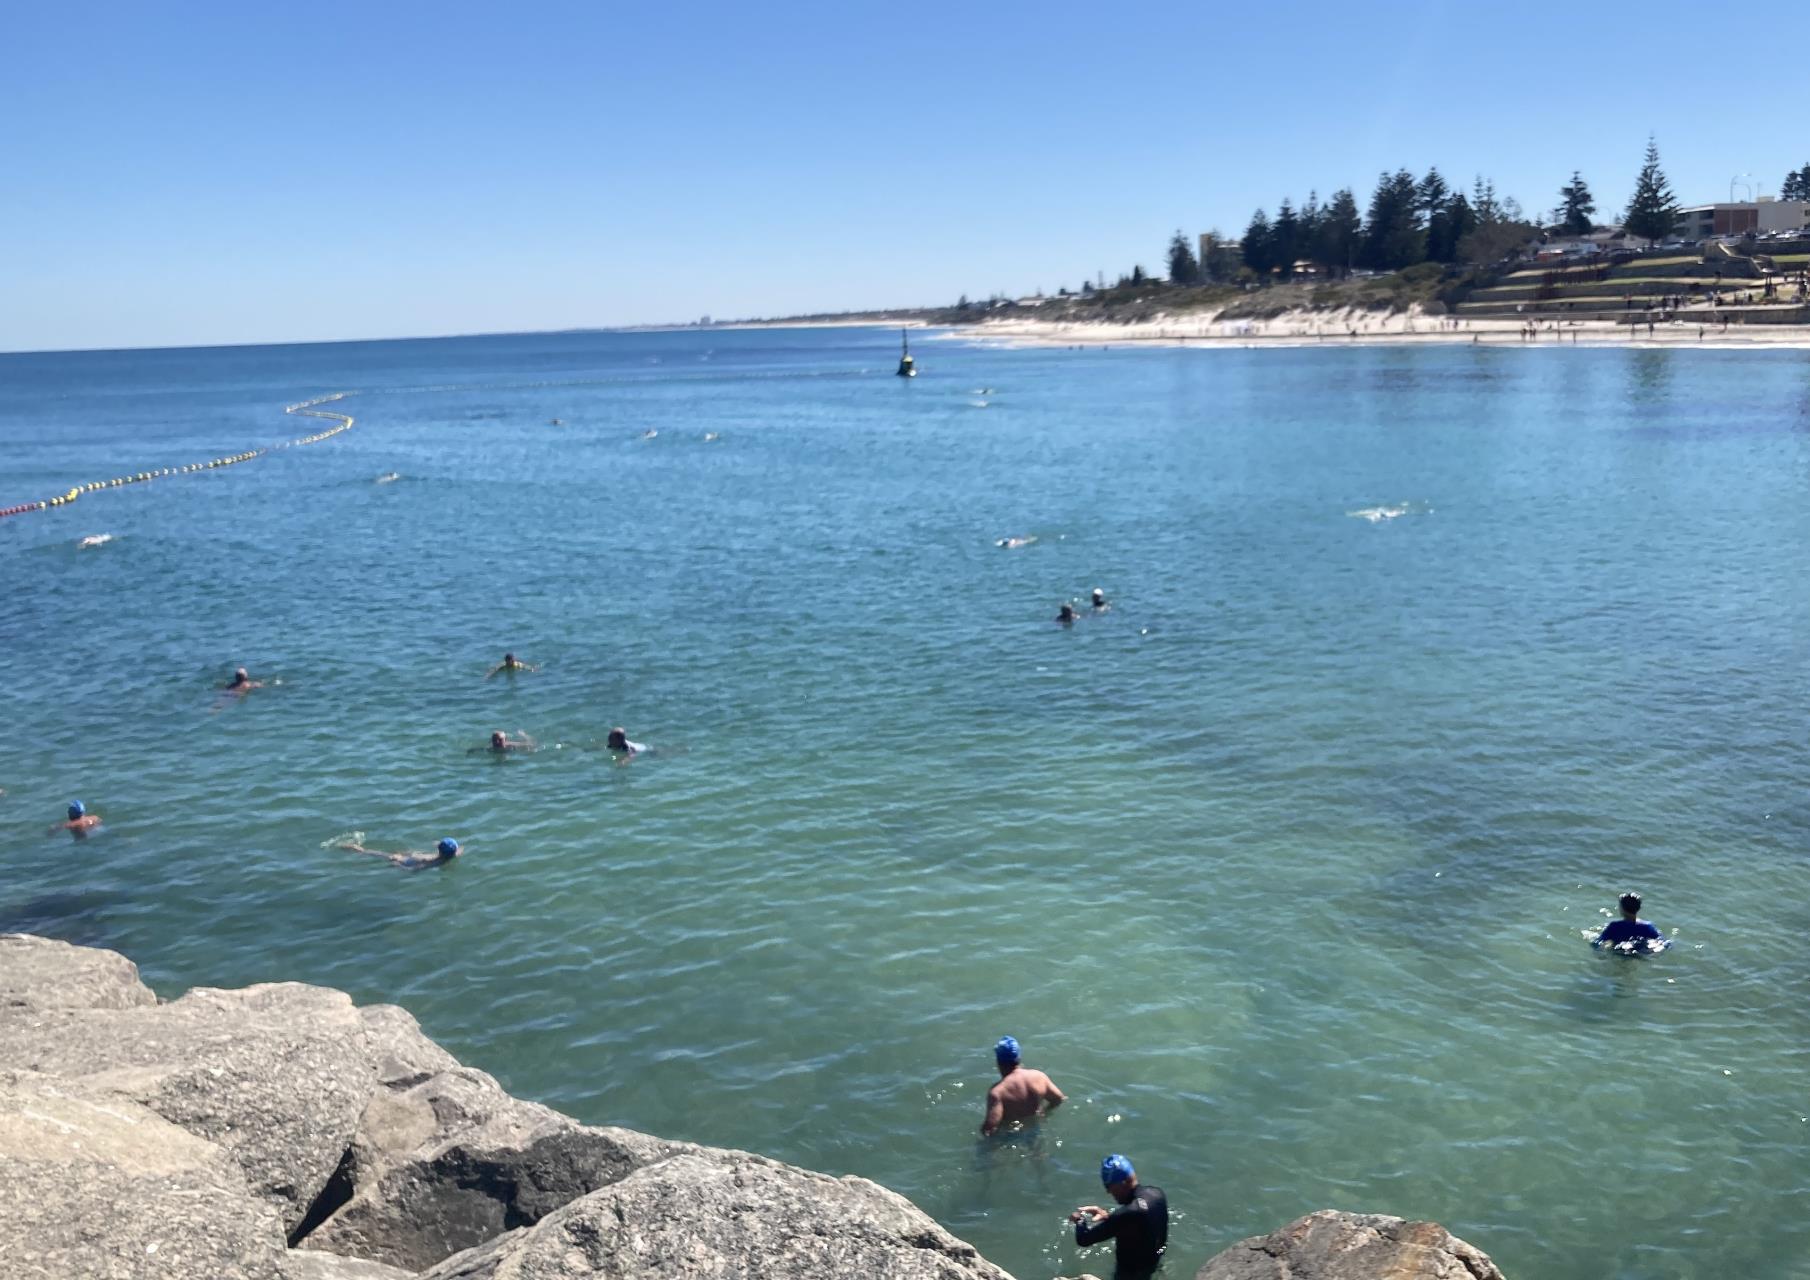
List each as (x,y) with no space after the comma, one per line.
(1370,328)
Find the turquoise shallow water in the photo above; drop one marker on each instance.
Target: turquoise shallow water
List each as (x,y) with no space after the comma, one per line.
(1281,867)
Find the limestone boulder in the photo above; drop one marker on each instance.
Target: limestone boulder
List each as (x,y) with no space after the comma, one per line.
(308,1264)
(42,973)
(448,1161)
(727,1215)
(101,1188)
(1329,1245)
(278,1075)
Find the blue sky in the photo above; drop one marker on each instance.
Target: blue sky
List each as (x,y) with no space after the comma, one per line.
(204,173)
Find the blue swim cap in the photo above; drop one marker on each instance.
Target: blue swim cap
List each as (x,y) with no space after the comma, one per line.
(448,847)
(1005,1053)
(1116,1169)
(76,810)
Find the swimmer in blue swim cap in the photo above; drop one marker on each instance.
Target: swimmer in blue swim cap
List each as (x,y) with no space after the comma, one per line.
(1139,1227)
(1023,1093)
(409,859)
(80,822)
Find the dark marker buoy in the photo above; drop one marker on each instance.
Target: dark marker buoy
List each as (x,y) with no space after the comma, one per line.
(907,368)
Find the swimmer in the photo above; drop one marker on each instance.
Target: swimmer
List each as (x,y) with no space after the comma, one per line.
(1100,605)
(501,743)
(511,664)
(80,822)
(1023,1093)
(410,859)
(1138,1228)
(711,435)
(242,683)
(1066,614)
(624,749)
(649,434)
(1011,544)
(1630,934)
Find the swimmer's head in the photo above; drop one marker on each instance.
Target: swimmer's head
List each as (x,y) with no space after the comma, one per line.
(1099,595)
(1066,614)
(508,659)
(1006,1053)
(241,676)
(498,741)
(1630,904)
(76,809)
(449,848)
(618,739)
(1114,1170)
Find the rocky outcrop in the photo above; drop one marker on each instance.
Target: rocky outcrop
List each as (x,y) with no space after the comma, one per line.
(1329,1245)
(727,1214)
(445,1161)
(42,973)
(200,1137)
(277,1075)
(101,1188)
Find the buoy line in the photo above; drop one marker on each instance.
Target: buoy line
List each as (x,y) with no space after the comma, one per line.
(306,409)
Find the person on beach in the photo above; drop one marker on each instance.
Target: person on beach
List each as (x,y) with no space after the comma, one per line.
(1023,1093)
(619,743)
(410,859)
(80,821)
(1630,933)
(501,743)
(1066,615)
(1100,605)
(242,683)
(511,664)
(1138,1228)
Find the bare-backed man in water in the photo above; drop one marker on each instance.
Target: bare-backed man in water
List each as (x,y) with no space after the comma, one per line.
(1023,1093)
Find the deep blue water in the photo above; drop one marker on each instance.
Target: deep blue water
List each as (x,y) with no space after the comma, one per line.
(1281,867)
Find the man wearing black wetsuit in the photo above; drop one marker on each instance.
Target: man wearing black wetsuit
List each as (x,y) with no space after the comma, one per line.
(1138,1228)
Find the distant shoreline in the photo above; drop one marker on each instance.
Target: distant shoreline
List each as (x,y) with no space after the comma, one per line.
(1328,329)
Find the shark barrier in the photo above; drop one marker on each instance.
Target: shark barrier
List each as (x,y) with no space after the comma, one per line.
(305,409)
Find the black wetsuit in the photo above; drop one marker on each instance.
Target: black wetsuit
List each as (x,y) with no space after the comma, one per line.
(1139,1229)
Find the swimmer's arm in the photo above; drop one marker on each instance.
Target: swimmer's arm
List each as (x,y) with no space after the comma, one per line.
(493,671)
(996,1113)
(1053,1097)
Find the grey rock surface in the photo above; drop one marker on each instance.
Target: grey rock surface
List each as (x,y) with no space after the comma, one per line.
(42,973)
(306,1264)
(401,1053)
(277,1074)
(446,1163)
(728,1216)
(100,1188)
(1329,1245)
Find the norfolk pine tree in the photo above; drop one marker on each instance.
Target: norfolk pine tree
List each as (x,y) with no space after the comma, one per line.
(1576,206)
(1652,212)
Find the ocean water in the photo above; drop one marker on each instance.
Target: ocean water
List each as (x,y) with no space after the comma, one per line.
(1281,867)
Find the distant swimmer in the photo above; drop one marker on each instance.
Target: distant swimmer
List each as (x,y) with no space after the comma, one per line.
(511,664)
(80,822)
(1138,1228)
(649,434)
(1100,605)
(409,859)
(501,743)
(1630,933)
(389,477)
(1023,1093)
(95,540)
(711,435)
(619,743)
(1012,544)
(1066,614)
(556,422)
(242,683)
